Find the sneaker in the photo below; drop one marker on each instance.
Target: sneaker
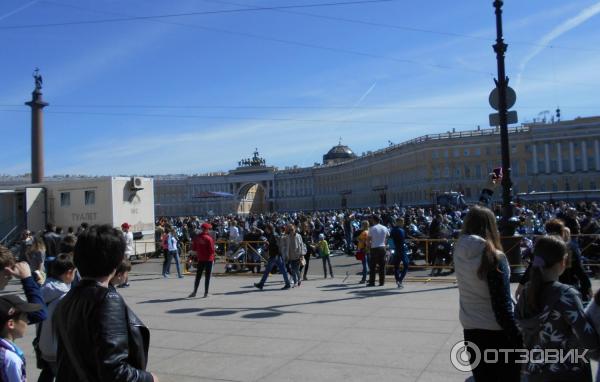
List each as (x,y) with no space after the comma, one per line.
(331,276)
(287,286)
(259,286)
(299,283)
(206,295)
(400,286)
(179,277)
(192,295)
(370,284)
(362,281)
(165,276)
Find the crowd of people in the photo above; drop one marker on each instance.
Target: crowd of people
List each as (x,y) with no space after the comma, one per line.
(70,279)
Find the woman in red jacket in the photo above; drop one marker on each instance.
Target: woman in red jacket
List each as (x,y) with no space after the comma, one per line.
(204,246)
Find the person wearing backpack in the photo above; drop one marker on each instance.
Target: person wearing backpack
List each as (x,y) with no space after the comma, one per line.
(275,259)
(323,251)
(60,276)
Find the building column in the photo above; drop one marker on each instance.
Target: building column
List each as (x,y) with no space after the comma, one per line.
(534,158)
(547,157)
(559,156)
(597,154)
(584,158)
(572,156)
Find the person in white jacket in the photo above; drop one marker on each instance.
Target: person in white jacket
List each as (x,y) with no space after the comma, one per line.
(486,311)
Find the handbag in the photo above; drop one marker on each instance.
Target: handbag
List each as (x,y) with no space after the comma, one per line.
(360,255)
(302,261)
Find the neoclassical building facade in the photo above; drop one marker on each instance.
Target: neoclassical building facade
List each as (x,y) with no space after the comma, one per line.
(558,156)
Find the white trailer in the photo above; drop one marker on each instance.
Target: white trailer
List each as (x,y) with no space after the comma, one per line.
(70,202)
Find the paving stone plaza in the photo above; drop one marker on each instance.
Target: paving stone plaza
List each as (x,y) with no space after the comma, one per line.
(326,330)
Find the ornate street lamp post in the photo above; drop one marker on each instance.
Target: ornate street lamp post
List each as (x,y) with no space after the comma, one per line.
(502,84)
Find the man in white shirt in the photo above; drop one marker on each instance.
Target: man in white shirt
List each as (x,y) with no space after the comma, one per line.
(128,235)
(234,232)
(377,240)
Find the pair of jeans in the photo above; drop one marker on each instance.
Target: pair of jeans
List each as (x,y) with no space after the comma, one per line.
(295,270)
(278,262)
(500,371)
(377,259)
(170,256)
(400,257)
(205,266)
(307,259)
(365,267)
(326,261)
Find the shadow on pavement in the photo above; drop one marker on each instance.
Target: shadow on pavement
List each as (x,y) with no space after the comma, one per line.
(163,300)
(216,313)
(262,315)
(184,310)
(356,293)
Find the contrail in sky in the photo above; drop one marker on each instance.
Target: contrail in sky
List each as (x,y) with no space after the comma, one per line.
(15,11)
(558,31)
(362,98)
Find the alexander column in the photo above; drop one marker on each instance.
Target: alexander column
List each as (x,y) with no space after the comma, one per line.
(37,105)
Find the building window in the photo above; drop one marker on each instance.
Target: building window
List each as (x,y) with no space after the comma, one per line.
(90,198)
(477,151)
(478,171)
(466,152)
(553,166)
(592,185)
(566,165)
(467,171)
(446,153)
(65,199)
(456,153)
(554,186)
(591,163)
(434,154)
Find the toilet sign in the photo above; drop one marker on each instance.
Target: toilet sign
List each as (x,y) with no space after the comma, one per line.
(511,98)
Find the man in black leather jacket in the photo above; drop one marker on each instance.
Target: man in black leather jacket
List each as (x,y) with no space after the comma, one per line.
(99,337)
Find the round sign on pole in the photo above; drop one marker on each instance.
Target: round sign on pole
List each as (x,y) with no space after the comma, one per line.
(511,98)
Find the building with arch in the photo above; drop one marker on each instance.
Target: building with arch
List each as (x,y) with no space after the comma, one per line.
(555,156)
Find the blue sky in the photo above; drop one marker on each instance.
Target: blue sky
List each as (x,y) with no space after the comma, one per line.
(195,94)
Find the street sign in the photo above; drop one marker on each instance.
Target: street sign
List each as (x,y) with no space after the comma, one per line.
(511,98)
(511,117)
